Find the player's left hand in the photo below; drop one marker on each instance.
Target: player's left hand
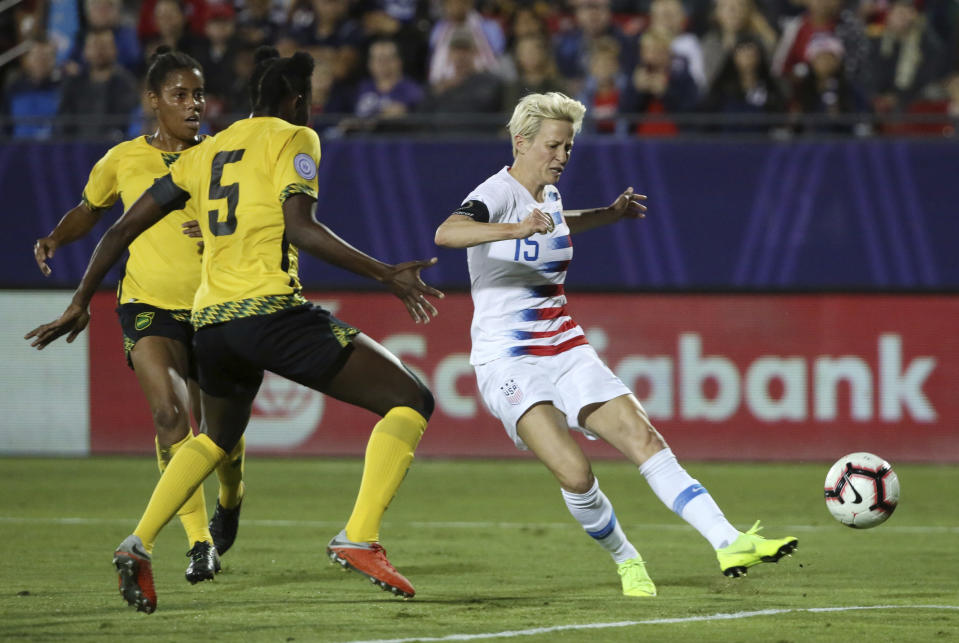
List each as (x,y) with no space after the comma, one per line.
(629,205)
(73,320)
(404,281)
(192,229)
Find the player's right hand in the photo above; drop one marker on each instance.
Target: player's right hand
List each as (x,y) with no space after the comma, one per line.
(538,222)
(405,282)
(73,320)
(44,249)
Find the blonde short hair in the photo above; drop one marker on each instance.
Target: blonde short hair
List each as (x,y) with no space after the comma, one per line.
(532,109)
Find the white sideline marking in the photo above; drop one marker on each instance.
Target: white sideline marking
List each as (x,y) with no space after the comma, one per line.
(652,621)
(677,526)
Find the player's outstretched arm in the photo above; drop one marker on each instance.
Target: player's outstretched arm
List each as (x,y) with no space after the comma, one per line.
(461,231)
(403,279)
(74,225)
(141,215)
(627,205)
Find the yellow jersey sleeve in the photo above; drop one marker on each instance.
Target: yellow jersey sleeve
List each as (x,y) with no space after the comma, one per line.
(102,189)
(183,170)
(295,171)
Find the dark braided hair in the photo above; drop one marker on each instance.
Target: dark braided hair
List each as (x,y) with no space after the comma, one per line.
(280,78)
(164,61)
(263,57)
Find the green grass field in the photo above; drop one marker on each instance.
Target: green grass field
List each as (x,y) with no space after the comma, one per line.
(490,548)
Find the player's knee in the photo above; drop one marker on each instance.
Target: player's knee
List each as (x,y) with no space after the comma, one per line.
(170,421)
(425,402)
(576,481)
(421,398)
(429,402)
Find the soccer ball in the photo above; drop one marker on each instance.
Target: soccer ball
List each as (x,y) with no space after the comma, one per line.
(862,490)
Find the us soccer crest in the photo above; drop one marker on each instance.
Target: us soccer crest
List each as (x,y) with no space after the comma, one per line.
(512,391)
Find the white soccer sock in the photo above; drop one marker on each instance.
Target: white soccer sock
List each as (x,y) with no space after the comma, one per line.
(684,495)
(595,513)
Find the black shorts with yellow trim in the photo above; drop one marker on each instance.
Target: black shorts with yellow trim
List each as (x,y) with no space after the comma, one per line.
(143,320)
(305,344)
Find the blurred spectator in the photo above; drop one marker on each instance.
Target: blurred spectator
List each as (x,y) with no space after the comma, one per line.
(603,87)
(403,22)
(332,28)
(732,20)
(286,45)
(460,17)
(906,57)
(593,20)
(239,101)
(526,21)
(825,91)
(669,17)
(823,17)
(172,29)
(194,10)
(329,96)
(951,87)
(98,102)
(469,91)
(259,23)
(62,24)
(535,70)
(106,14)
(745,86)
(943,17)
(216,53)
(405,11)
(32,96)
(661,84)
(386,96)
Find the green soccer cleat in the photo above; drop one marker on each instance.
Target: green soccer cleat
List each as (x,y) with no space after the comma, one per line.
(751,549)
(636,581)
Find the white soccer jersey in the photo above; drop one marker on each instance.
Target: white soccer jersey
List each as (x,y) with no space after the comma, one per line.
(519,303)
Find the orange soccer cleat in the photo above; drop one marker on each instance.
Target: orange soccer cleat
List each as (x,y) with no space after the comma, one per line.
(135,575)
(370,560)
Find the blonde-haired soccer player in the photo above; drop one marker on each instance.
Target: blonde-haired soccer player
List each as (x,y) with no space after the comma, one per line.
(257,180)
(156,292)
(535,369)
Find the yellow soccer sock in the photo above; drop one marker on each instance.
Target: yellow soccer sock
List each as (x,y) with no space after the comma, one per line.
(191,465)
(230,474)
(388,456)
(192,514)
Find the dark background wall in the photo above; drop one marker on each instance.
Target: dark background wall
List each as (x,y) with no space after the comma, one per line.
(857,215)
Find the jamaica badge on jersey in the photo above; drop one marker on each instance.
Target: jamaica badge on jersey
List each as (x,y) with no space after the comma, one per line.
(143,320)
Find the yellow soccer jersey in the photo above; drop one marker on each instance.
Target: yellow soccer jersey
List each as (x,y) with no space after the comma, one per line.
(239,182)
(164,266)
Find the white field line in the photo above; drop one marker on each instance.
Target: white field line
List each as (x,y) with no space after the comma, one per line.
(677,526)
(653,621)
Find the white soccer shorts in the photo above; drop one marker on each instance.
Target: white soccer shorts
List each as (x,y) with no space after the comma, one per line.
(571,380)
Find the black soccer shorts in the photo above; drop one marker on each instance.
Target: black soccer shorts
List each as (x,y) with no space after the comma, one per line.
(143,320)
(305,344)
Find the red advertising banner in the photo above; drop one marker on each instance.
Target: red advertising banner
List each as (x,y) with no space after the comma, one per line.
(723,377)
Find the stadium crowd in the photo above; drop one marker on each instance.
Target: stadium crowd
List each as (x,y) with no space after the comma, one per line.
(647,67)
